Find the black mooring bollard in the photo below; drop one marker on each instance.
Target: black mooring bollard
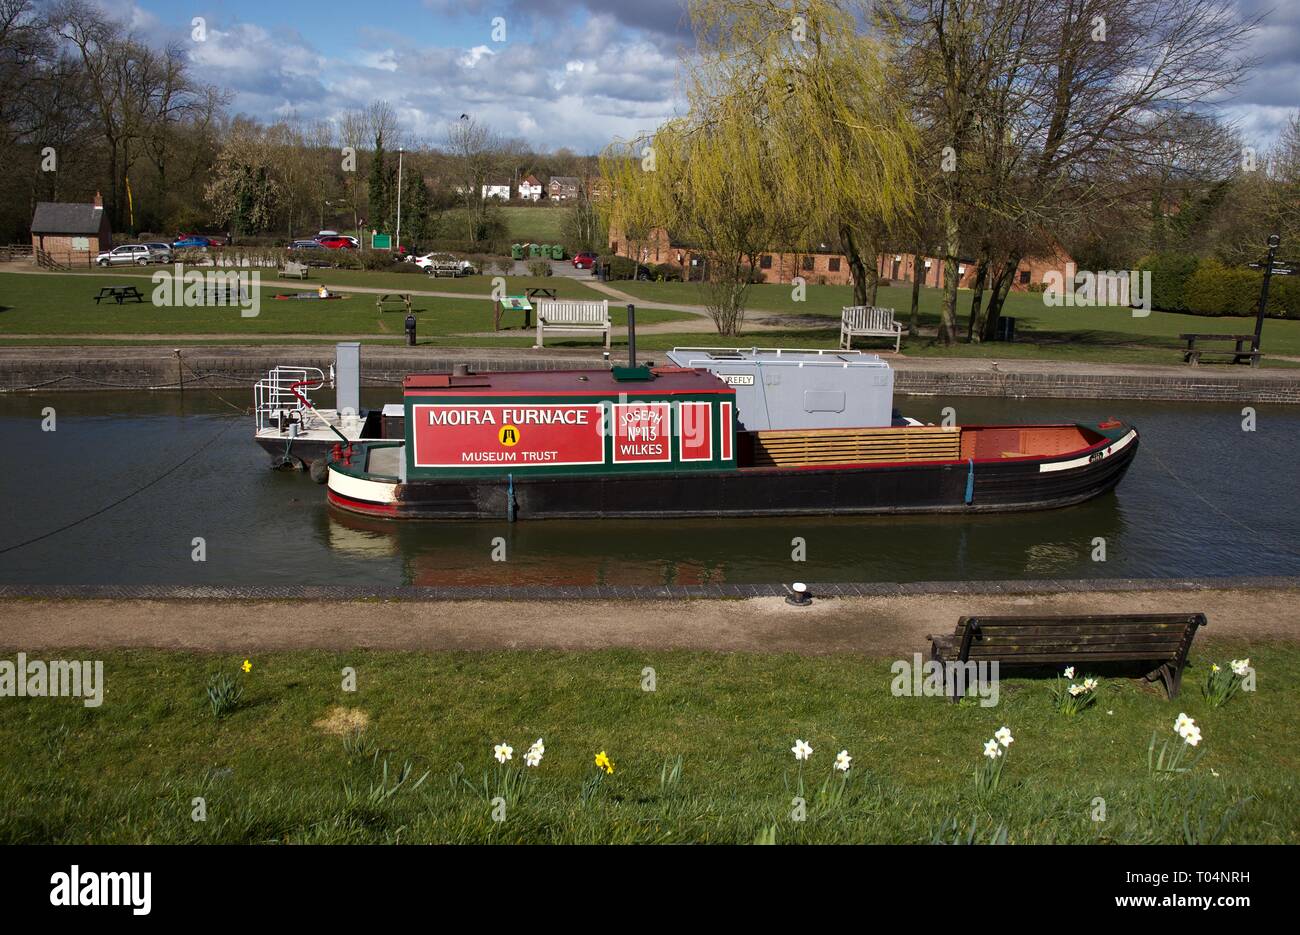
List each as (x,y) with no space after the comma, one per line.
(410,330)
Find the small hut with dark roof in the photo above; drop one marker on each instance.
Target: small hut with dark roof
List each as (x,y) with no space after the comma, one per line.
(72,233)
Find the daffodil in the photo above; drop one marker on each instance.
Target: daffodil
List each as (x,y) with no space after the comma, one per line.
(1182,722)
(1089,684)
(1003,736)
(1077,690)
(1240,667)
(1069,672)
(1192,736)
(503,752)
(604,762)
(247,666)
(801,750)
(534,755)
(1214,667)
(843,761)
(992,750)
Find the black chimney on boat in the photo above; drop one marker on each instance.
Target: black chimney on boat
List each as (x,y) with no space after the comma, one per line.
(631,336)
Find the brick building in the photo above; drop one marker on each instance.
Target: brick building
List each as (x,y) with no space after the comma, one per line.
(72,233)
(823,266)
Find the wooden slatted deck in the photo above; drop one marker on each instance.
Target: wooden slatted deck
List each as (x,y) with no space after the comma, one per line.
(792,448)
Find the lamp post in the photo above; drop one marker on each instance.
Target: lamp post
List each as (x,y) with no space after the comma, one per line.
(398,248)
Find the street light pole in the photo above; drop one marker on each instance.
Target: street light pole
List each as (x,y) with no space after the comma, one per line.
(399,200)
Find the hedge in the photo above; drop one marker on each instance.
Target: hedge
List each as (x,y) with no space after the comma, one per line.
(1181,283)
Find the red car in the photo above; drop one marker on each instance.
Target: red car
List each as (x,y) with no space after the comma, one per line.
(337,242)
(584,260)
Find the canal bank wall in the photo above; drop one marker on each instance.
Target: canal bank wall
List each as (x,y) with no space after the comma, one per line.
(880,623)
(50,369)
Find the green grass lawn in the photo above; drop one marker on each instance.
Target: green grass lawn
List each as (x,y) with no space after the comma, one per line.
(535,225)
(129,770)
(1111,334)
(64,304)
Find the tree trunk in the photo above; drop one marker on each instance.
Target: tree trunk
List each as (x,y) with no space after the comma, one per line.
(913,329)
(1001,286)
(951,243)
(866,279)
(975,327)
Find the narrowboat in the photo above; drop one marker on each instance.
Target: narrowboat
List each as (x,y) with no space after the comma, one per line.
(677,441)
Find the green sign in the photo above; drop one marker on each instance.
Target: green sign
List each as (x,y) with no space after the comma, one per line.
(381,241)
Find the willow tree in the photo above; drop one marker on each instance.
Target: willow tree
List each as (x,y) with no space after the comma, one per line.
(792,134)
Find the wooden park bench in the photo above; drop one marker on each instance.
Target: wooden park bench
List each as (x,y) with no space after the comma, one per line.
(394,298)
(865,321)
(573,318)
(1160,641)
(1239,354)
(295,270)
(119,294)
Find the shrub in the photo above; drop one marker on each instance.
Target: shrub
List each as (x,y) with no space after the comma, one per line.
(666,272)
(539,268)
(1169,275)
(618,267)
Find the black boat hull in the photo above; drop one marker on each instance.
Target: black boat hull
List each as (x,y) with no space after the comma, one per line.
(945,487)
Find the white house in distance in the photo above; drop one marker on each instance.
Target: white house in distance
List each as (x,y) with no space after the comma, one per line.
(530,189)
(496,190)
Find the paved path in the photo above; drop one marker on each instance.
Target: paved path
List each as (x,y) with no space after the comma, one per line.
(877,626)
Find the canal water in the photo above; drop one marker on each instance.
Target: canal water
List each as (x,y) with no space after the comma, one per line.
(1204,498)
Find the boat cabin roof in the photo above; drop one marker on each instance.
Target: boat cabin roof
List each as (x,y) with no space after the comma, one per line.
(667,381)
(774,356)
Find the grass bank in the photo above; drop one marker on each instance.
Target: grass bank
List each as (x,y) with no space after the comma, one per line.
(291,763)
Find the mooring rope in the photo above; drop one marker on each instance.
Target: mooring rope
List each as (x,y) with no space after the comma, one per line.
(1228,516)
(139,490)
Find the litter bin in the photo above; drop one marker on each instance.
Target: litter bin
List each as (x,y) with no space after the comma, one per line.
(517,252)
(1006,330)
(557,252)
(534,250)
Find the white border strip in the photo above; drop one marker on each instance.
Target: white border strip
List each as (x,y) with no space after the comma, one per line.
(354,488)
(1090,459)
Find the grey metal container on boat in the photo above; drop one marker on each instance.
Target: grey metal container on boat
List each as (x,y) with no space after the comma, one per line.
(799,389)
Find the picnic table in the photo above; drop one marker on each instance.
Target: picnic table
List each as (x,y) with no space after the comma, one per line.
(512,303)
(394,297)
(119,294)
(1239,354)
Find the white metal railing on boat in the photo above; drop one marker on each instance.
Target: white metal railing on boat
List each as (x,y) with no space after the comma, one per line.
(275,404)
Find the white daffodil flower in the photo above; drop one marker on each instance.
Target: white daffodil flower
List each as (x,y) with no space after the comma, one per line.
(843,761)
(1069,672)
(1240,667)
(801,750)
(503,752)
(1077,690)
(992,750)
(1003,736)
(1192,736)
(1182,722)
(1089,684)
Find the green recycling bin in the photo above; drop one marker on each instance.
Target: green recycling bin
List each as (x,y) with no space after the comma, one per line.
(517,252)
(534,250)
(557,252)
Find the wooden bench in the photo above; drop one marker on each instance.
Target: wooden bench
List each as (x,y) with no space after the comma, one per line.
(797,447)
(119,294)
(1239,354)
(394,298)
(573,318)
(1161,641)
(865,321)
(294,270)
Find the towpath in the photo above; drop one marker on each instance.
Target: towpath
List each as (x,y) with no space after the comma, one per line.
(878,626)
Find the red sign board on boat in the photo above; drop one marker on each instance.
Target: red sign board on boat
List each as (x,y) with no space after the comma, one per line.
(509,435)
(642,432)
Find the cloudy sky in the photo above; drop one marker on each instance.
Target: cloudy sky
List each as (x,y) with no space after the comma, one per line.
(569,73)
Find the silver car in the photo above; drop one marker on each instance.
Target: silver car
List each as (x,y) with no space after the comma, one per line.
(136,253)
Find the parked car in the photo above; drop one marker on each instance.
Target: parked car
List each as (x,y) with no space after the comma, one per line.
(162,252)
(191,242)
(430,261)
(338,242)
(306,245)
(136,253)
(584,261)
